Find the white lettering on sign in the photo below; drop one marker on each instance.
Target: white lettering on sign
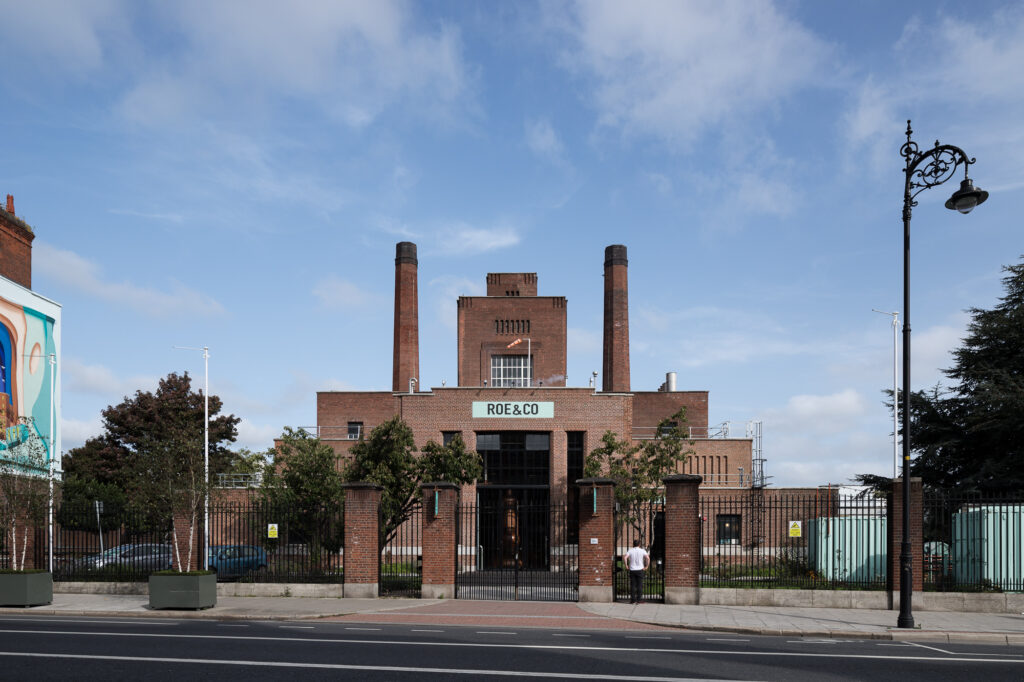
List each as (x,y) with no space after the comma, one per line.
(513,409)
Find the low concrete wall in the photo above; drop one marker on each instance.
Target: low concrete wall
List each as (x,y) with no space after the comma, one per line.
(223,589)
(968,602)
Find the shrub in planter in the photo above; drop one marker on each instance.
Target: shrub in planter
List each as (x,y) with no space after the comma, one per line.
(25,588)
(176,590)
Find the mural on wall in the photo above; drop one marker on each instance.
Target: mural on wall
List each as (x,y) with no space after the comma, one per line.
(28,383)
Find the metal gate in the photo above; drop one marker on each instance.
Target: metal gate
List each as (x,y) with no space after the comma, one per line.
(643,521)
(516,550)
(401,556)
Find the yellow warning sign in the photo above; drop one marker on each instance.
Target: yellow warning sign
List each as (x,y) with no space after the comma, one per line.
(795,529)
(271,530)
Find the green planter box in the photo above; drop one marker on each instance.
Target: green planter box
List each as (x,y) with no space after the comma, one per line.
(183,591)
(26,589)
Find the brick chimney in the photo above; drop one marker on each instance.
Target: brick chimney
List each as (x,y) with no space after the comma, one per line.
(15,246)
(407,329)
(615,378)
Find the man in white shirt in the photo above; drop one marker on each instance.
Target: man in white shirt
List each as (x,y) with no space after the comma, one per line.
(636,561)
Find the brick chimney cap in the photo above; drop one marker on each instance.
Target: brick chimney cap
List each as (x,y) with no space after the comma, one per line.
(615,255)
(405,252)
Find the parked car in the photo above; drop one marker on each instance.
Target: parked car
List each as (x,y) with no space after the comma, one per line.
(234,561)
(139,558)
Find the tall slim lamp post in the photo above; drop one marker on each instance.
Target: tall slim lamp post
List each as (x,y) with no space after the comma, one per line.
(923,169)
(206,452)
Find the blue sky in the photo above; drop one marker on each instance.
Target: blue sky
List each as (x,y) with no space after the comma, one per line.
(236,174)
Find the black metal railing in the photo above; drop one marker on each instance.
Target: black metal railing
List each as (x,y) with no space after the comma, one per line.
(973,542)
(645,523)
(514,551)
(260,542)
(816,539)
(401,558)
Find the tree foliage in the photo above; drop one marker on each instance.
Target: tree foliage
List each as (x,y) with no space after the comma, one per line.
(147,418)
(304,492)
(638,470)
(387,457)
(970,437)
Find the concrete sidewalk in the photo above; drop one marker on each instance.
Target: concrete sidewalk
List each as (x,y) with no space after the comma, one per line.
(933,626)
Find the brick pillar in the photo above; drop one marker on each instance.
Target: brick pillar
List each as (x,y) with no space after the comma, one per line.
(440,507)
(362,539)
(181,530)
(683,542)
(616,321)
(597,539)
(407,331)
(895,536)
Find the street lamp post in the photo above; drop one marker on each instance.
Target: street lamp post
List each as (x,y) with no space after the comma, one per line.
(923,169)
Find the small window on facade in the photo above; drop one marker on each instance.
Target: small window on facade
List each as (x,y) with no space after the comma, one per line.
(355,429)
(448,436)
(728,526)
(510,371)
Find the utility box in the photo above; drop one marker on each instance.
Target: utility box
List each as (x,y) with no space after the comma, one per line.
(847,548)
(987,546)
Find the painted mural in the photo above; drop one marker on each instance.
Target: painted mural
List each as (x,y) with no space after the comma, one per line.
(29,350)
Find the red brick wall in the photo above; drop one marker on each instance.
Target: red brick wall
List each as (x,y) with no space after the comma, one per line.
(683,531)
(15,249)
(362,541)
(616,321)
(512,284)
(597,561)
(407,339)
(895,540)
(334,409)
(478,339)
(718,461)
(439,534)
(650,407)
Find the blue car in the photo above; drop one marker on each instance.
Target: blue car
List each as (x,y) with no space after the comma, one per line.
(235,561)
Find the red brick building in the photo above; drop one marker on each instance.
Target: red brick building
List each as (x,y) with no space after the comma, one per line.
(512,404)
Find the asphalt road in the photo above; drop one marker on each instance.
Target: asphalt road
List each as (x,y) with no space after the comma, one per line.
(43,648)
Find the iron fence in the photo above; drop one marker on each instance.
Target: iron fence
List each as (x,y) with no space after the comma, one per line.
(645,523)
(277,543)
(108,542)
(816,539)
(973,542)
(401,558)
(510,550)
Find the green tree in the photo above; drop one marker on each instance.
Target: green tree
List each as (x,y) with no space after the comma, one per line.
(25,491)
(387,457)
(638,470)
(970,437)
(304,492)
(144,419)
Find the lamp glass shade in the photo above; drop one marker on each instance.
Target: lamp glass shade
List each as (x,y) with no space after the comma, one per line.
(967,197)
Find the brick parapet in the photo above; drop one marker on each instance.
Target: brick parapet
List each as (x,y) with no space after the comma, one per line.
(15,248)
(440,524)
(682,538)
(362,539)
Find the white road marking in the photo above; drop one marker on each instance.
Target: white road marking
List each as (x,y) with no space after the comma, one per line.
(643,637)
(933,648)
(133,621)
(230,625)
(341,666)
(483,645)
(485,632)
(559,634)
(366,629)
(296,627)
(415,630)
(723,639)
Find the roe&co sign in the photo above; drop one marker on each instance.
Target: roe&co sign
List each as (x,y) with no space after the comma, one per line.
(514,410)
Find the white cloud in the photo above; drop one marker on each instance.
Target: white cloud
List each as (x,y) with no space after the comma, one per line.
(932,352)
(445,291)
(351,59)
(256,436)
(820,413)
(337,293)
(66,34)
(72,270)
(660,182)
(462,239)
(74,432)
(543,141)
(673,70)
(100,380)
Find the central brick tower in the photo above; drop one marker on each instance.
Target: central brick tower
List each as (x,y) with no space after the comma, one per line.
(616,321)
(407,326)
